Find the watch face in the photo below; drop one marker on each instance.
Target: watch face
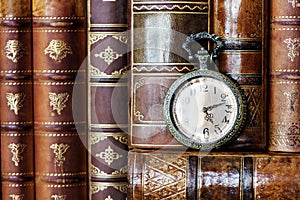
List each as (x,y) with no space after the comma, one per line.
(204,109)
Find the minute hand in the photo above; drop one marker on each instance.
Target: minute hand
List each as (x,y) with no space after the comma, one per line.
(209,108)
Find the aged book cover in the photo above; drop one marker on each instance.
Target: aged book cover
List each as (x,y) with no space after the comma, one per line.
(158,29)
(192,175)
(107,99)
(59,45)
(16,116)
(284,73)
(242,25)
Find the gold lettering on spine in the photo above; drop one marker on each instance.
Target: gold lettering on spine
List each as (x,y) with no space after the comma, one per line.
(58,101)
(14,101)
(294,3)
(292,45)
(17,150)
(59,150)
(16,196)
(58,50)
(15,50)
(58,197)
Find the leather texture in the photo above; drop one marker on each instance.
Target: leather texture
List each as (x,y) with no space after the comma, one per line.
(107,99)
(59,43)
(16,116)
(166,174)
(284,77)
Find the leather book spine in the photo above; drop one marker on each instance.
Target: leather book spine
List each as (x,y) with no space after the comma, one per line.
(107,99)
(284,79)
(242,26)
(163,175)
(158,29)
(59,44)
(16,116)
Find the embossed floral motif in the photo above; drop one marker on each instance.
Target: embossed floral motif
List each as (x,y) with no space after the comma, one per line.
(58,50)
(15,50)
(17,150)
(292,45)
(59,150)
(15,101)
(58,197)
(58,101)
(16,196)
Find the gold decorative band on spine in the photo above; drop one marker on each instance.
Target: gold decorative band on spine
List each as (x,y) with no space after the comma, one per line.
(65,185)
(287,70)
(285,17)
(286,82)
(57,71)
(285,29)
(17,174)
(58,83)
(61,174)
(15,71)
(16,123)
(16,83)
(15,18)
(16,134)
(16,31)
(58,123)
(57,134)
(59,18)
(59,31)
(17,185)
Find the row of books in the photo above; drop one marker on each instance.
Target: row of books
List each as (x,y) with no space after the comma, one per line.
(82,87)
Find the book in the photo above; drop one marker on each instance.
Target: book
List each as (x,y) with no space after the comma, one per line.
(107,99)
(16,116)
(156,60)
(59,68)
(193,175)
(284,77)
(242,26)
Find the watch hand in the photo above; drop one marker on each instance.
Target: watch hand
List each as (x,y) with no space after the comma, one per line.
(208,108)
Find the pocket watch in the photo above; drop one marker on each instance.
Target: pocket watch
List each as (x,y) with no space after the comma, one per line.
(204,109)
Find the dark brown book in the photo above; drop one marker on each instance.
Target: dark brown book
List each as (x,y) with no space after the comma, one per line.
(16,116)
(284,107)
(157,30)
(107,99)
(59,45)
(243,27)
(192,175)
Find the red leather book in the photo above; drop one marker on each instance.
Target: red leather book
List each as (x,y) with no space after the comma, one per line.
(59,45)
(284,109)
(16,115)
(107,99)
(158,29)
(243,27)
(192,175)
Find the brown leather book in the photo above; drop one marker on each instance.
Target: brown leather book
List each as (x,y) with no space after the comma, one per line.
(59,45)
(192,175)
(16,116)
(243,27)
(284,109)
(157,59)
(107,99)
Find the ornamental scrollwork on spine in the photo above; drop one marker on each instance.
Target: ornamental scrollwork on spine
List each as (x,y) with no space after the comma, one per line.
(292,45)
(17,150)
(58,50)
(58,101)
(59,150)
(58,197)
(15,101)
(15,50)
(16,196)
